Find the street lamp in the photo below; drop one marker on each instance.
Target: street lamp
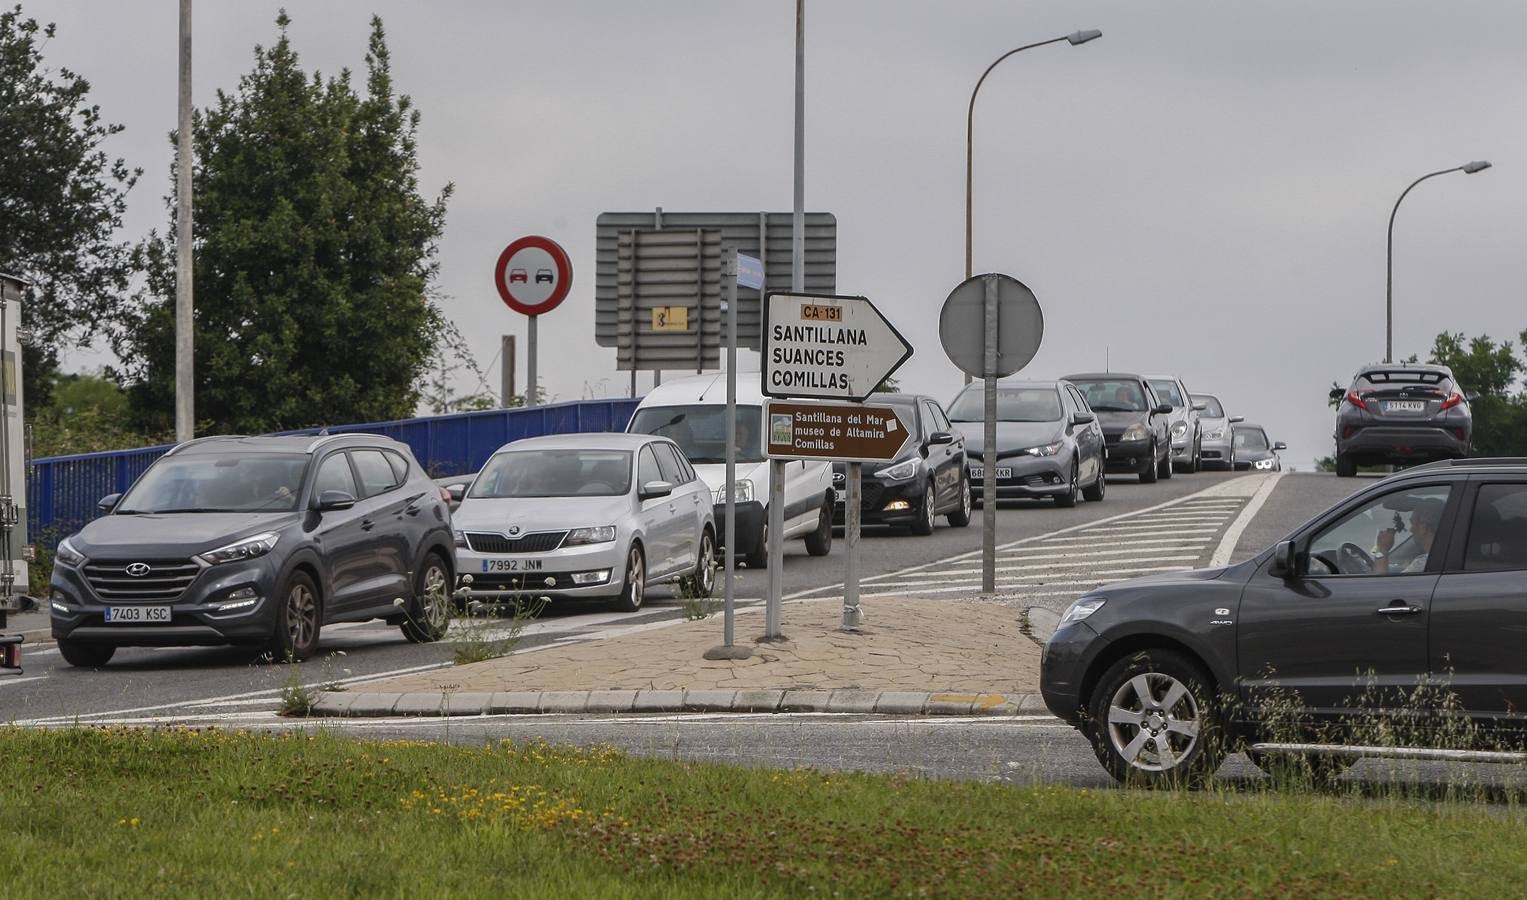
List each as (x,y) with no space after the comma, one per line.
(1468,168)
(1074,39)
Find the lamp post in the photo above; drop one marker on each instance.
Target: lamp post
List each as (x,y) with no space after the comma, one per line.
(1468,168)
(1074,39)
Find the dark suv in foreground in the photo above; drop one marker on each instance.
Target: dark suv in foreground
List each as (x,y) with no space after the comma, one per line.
(1396,615)
(258,541)
(1401,414)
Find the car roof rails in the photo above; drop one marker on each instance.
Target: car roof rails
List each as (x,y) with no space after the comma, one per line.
(202,440)
(325,437)
(1481,462)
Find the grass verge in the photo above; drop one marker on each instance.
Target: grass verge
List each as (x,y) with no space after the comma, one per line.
(200,813)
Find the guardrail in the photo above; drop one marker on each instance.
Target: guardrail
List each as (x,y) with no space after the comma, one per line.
(62,491)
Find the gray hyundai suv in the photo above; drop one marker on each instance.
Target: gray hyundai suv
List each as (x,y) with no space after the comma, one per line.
(1394,616)
(257,541)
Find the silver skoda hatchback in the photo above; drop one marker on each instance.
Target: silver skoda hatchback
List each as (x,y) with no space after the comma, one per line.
(586,516)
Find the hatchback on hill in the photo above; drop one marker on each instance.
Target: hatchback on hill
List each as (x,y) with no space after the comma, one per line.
(259,541)
(1049,442)
(1400,414)
(1135,422)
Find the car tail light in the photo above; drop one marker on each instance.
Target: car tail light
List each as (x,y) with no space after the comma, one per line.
(1356,401)
(1459,433)
(1452,400)
(1349,431)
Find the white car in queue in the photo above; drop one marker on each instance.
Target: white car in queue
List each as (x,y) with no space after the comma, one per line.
(585,516)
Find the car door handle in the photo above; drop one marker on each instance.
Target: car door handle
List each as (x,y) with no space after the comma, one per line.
(367,525)
(1400,608)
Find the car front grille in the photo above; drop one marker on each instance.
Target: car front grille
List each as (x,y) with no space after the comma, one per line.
(165,580)
(540,542)
(527,583)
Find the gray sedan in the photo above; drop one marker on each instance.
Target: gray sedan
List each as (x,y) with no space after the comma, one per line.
(586,516)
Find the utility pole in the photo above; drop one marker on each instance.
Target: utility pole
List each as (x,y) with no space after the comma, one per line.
(185,400)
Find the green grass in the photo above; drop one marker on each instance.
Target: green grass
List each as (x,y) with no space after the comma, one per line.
(104,813)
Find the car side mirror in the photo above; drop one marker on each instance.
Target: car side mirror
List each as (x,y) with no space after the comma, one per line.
(655,489)
(1337,393)
(106,503)
(1471,396)
(940,437)
(1235,419)
(1200,407)
(1164,409)
(1285,561)
(1083,418)
(1280,446)
(457,491)
(329,501)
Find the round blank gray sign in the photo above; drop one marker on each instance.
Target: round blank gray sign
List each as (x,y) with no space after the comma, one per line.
(962,325)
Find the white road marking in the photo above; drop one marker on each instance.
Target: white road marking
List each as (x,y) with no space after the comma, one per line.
(1232,536)
(11,682)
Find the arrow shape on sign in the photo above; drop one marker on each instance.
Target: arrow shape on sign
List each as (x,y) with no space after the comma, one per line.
(828,347)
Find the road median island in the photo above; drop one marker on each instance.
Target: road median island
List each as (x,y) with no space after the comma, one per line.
(183,812)
(915,657)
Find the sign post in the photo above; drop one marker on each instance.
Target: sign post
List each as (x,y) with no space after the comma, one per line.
(829,348)
(991,326)
(533,276)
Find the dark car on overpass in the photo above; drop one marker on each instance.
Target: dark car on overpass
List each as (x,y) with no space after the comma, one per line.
(1251,449)
(1401,414)
(258,541)
(914,490)
(1136,423)
(1394,616)
(1049,442)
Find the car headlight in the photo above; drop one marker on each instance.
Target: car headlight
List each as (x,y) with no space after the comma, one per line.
(248,548)
(1179,429)
(603,534)
(1265,463)
(1215,435)
(1135,432)
(1081,609)
(742,492)
(900,471)
(66,554)
(460,539)
(1047,449)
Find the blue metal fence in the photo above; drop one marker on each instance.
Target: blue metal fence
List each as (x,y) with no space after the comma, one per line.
(62,491)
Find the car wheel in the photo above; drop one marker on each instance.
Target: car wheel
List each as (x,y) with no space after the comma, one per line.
(926,513)
(1068,499)
(1148,471)
(1166,470)
(819,542)
(961,517)
(634,589)
(85,656)
(1198,462)
(1318,770)
(759,557)
(298,619)
(1346,466)
(1152,721)
(703,582)
(427,622)
(1095,491)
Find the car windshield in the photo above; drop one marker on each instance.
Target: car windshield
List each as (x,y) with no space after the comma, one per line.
(1212,409)
(554,473)
(700,431)
(1013,405)
(1167,391)
(218,483)
(1250,439)
(1113,395)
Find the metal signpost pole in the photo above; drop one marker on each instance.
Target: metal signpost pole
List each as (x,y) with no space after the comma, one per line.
(731,446)
(530,364)
(853,615)
(989,448)
(506,368)
(185,360)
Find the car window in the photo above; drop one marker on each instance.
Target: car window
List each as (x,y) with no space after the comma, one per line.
(1212,409)
(1394,534)
(1498,529)
(1168,392)
(376,474)
(399,466)
(218,483)
(931,424)
(647,469)
(700,431)
(334,475)
(1250,439)
(554,473)
(1078,400)
(668,463)
(1013,405)
(1113,395)
(939,417)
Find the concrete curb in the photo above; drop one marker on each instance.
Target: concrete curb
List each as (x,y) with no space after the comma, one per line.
(477,703)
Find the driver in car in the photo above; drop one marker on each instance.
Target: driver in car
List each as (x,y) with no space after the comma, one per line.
(1412,554)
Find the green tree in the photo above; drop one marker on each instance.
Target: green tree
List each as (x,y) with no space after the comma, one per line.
(314,254)
(85,413)
(61,203)
(1480,364)
(889,386)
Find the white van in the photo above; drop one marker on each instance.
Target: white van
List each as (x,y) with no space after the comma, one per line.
(692,413)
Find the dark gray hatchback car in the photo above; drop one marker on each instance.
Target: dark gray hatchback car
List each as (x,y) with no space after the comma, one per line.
(258,541)
(1401,414)
(1399,611)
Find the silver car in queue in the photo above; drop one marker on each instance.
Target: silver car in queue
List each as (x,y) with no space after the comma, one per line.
(585,516)
(1218,440)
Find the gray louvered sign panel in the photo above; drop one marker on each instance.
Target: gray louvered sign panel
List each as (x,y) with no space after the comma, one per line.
(667,262)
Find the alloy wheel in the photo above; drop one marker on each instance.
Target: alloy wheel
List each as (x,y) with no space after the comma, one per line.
(1153,722)
(636,577)
(966,503)
(436,599)
(301,616)
(706,577)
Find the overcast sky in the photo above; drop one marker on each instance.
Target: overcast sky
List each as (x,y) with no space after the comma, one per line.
(1204,191)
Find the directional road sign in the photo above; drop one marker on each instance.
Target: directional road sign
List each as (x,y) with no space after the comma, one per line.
(533,275)
(835,431)
(963,325)
(827,347)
